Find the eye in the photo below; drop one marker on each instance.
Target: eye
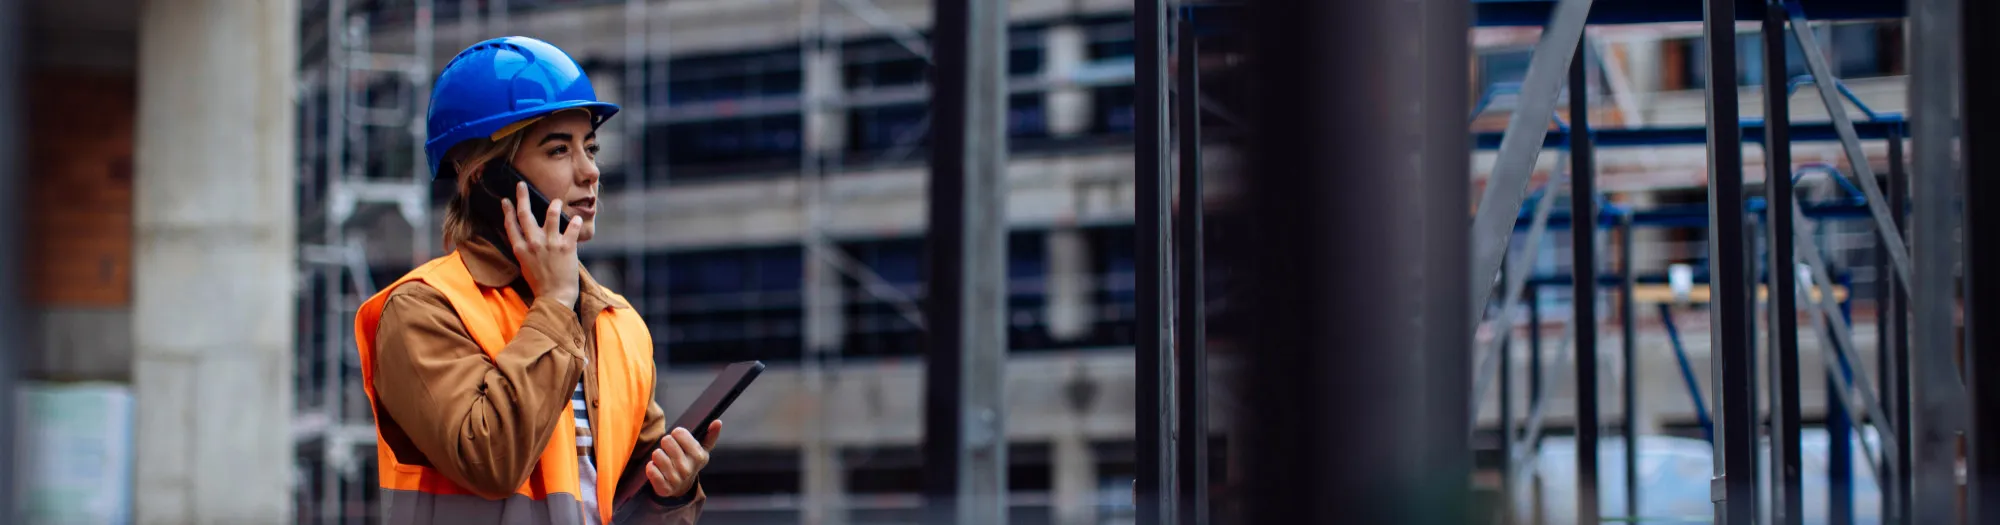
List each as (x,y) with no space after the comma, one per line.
(592,149)
(558,151)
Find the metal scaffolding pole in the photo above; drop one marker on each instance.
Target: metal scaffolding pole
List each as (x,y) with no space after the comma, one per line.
(13,179)
(964,433)
(1191,341)
(1337,338)
(1936,389)
(1892,322)
(1982,250)
(1734,487)
(1521,145)
(1628,312)
(1583,282)
(1787,502)
(1153,489)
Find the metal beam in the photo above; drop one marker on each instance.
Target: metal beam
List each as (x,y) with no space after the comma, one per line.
(1936,390)
(1628,311)
(1893,313)
(1837,338)
(1583,269)
(1521,145)
(1787,502)
(13,278)
(1153,489)
(1734,488)
(964,445)
(1314,299)
(1516,282)
(1857,159)
(1191,321)
(1981,124)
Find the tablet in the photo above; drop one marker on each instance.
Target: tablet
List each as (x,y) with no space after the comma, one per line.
(706,408)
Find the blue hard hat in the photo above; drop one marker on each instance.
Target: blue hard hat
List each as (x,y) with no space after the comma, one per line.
(502,81)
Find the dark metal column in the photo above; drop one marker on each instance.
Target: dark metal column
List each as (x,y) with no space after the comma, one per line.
(13,179)
(1535,391)
(1507,431)
(1191,341)
(1936,391)
(1335,339)
(1583,282)
(1628,312)
(1840,453)
(1981,123)
(1893,352)
(1786,500)
(1155,428)
(964,439)
(1734,488)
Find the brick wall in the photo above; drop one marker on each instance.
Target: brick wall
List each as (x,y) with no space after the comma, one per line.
(79,189)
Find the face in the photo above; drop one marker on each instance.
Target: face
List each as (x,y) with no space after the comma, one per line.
(558,155)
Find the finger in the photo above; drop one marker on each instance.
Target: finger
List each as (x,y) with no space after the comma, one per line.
(691,449)
(550,223)
(512,222)
(714,433)
(658,480)
(525,215)
(575,231)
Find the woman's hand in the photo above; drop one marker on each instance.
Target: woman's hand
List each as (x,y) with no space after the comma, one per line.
(679,459)
(547,255)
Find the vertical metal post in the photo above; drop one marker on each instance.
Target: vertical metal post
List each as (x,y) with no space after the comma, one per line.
(1628,312)
(1982,300)
(1508,468)
(1191,343)
(964,441)
(1787,502)
(1734,487)
(1893,352)
(1155,428)
(1312,300)
(13,310)
(1535,391)
(1534,301)
(1840,452)
(1936,390)
(1583,280)
(1839,449)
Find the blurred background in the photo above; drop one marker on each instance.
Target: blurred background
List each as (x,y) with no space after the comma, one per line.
(765,197)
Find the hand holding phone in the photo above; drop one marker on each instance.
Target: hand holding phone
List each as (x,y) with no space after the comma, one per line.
(545,252)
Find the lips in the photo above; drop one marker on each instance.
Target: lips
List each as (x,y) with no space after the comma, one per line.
(585,207)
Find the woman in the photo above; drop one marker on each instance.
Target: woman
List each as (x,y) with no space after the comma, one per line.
(507,385)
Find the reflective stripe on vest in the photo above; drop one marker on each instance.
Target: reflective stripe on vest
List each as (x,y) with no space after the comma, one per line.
(624,364)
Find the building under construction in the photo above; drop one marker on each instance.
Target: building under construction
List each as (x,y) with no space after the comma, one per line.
(786,175)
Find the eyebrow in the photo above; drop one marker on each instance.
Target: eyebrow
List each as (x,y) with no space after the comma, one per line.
(553,137)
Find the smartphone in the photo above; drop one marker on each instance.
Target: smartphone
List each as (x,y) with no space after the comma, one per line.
(499,181)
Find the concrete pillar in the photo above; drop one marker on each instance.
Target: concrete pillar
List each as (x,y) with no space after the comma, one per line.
(1068,107)
(826,126)
(1069,281)
(825,482)
(215,258)
(1075,479)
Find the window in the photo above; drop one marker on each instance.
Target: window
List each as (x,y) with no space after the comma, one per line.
(729,305)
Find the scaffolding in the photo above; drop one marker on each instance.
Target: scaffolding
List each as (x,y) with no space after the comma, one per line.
(362,163)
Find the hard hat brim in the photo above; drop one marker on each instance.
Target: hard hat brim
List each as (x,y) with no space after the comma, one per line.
(485,128)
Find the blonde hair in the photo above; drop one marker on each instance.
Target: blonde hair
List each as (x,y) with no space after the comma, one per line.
(469,159)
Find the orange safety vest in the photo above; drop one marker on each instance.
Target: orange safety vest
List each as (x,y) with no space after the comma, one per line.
(624,361)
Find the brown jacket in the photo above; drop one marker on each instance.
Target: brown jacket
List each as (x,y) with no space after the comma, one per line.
(481,422)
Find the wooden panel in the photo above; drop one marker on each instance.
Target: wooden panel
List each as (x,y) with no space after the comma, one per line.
(79,193)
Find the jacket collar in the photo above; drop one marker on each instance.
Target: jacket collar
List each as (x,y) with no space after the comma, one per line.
(492,268)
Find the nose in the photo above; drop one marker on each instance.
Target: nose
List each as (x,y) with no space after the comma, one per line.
(587,174)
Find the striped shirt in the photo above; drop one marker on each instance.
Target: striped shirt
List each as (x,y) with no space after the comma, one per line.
(586,467)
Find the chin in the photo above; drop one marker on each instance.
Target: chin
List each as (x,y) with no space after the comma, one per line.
(589,230)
